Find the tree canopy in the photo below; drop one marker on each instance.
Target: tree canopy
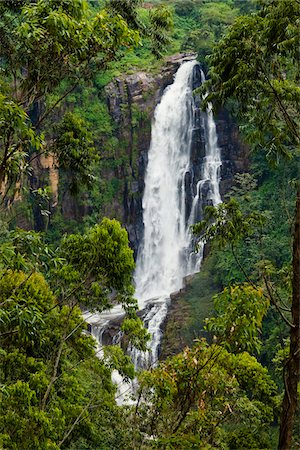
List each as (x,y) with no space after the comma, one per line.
(43,44)
(256,66)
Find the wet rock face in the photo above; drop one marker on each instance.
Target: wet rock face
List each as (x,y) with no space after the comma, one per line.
(234,153)
(142,90)
(131,101)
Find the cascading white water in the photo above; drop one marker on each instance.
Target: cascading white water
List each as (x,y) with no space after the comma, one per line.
(166,254)
(212,160)
(208,185)
(164,257)
(210,170)
(159,263)
(99,323)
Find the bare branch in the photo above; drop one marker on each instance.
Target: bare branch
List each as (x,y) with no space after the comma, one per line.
(277,306)
(76,422)
(46,114)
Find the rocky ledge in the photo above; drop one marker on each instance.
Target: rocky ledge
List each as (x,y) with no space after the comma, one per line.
(143,89)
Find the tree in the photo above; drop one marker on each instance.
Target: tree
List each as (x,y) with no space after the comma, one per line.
(211,21)
(100,265)
(158,26)
(53,388)
(81,400)
(256,65)
(240,311)
(206,397)
(44,43)
(74,150)
(30,329)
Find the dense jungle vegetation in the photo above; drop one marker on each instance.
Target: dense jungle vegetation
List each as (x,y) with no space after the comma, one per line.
(236,385)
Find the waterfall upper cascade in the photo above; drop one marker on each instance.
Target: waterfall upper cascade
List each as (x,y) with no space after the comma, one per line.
(166,254)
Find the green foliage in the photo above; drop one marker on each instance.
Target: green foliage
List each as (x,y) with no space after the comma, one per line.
(154,26)
(73,147)
(160,26)
(127,9)
(75,43)
(26,251)
(273,199)
(267,93)
(135,333)
(205,23)
(26,374)
(99,266)
(187,314)
(17,137)
(115,359)
(266,90)
(227,224)
(185,9)
(240,311)
(193,399)
(241,439)
(70,37)
(246,7)
(21,319)
(53,387)
(267,253)
(89,103)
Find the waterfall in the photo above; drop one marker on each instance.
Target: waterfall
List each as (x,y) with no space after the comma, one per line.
(159,263)
(166,254)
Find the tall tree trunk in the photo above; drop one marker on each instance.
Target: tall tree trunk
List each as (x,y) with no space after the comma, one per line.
(54,373)
(292,368)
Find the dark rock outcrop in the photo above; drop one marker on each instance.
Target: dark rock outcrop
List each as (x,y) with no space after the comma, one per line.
(234,153)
